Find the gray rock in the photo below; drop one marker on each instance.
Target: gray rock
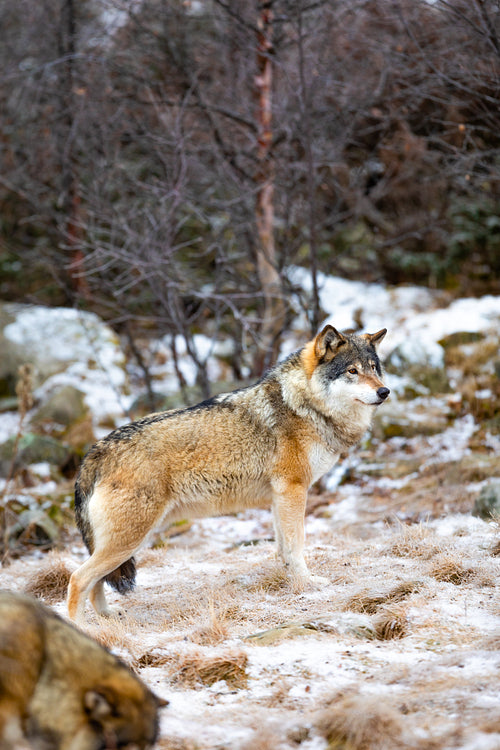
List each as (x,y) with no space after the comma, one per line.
(33,449)
(51,339)
(64,407)
(487,505)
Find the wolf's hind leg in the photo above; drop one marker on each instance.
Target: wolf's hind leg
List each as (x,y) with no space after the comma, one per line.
(87,577)
(98,600)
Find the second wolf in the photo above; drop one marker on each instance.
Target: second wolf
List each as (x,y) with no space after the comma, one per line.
(60,690)
(258,446)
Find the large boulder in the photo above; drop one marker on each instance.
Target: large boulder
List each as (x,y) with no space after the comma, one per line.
(66,347)
(51,338)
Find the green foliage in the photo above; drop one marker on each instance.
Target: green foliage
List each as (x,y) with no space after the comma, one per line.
(475,231)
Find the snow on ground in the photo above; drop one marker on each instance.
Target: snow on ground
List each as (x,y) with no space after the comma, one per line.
(400,649)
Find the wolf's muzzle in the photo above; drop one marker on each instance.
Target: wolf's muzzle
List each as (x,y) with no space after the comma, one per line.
(382,393)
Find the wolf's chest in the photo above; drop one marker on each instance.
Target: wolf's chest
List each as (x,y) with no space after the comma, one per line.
(321,460)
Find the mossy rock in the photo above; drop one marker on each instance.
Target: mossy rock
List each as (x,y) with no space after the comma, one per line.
(64,407)
(460,338)
(33,449)
(34,527)
(397,419)
(487,504)
(142,404)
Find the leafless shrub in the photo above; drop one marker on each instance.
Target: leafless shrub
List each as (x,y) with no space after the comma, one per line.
(197,669)
(50,583)
(360,722)
(449,569)
(369,602)
(24,392)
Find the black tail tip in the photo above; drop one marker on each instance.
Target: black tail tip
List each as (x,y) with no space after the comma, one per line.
(123,578)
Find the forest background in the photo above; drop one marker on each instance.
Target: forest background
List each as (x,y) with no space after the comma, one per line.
(165,164)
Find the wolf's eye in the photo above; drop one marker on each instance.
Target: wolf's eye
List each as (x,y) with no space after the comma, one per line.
(374,368)
(352,371)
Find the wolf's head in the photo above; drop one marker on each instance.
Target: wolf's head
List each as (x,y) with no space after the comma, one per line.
(344,369)
(123,712)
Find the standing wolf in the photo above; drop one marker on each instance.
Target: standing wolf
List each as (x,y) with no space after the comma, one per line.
(265,444)
(63,691)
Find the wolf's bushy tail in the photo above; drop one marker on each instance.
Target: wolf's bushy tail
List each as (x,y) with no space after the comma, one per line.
(123,578)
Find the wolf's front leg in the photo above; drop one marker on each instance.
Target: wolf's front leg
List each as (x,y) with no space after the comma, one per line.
(289,506)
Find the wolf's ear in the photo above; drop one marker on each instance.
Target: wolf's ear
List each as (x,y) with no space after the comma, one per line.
(375,338)
(328,341)
(96,705)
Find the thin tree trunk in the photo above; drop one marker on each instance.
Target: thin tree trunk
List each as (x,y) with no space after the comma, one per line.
(270,281)
(315,313)
(72,202)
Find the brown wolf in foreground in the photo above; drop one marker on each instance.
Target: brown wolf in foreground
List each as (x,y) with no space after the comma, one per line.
(62,690)
(261,445)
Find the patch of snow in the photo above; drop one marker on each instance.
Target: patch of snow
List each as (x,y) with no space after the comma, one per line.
(453,443)
(9,425)
(346,509)
(409,313)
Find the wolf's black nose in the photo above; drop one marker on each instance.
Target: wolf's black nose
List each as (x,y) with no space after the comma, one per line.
(383,393)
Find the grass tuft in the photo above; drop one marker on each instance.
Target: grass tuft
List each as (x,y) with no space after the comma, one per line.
(415,541)
(196,669)
(369,602)
(360,722)
(391,622)
(448,569)
(50,583)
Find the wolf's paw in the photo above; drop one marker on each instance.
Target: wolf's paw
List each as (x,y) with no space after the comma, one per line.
(110,613)
(319,580)
(302,582)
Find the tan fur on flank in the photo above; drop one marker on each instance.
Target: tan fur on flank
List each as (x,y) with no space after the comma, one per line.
(260,446)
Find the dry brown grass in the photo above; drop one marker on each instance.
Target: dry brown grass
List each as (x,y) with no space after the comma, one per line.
(495,550)
(111,633)
(448,569)
(176,743)
(195,606)
(264,738)
(196,669)
(50,582)
(360,722)
(369,602)
(215,630)
(391,622)
(415,541)
(273,580)
(153,659)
